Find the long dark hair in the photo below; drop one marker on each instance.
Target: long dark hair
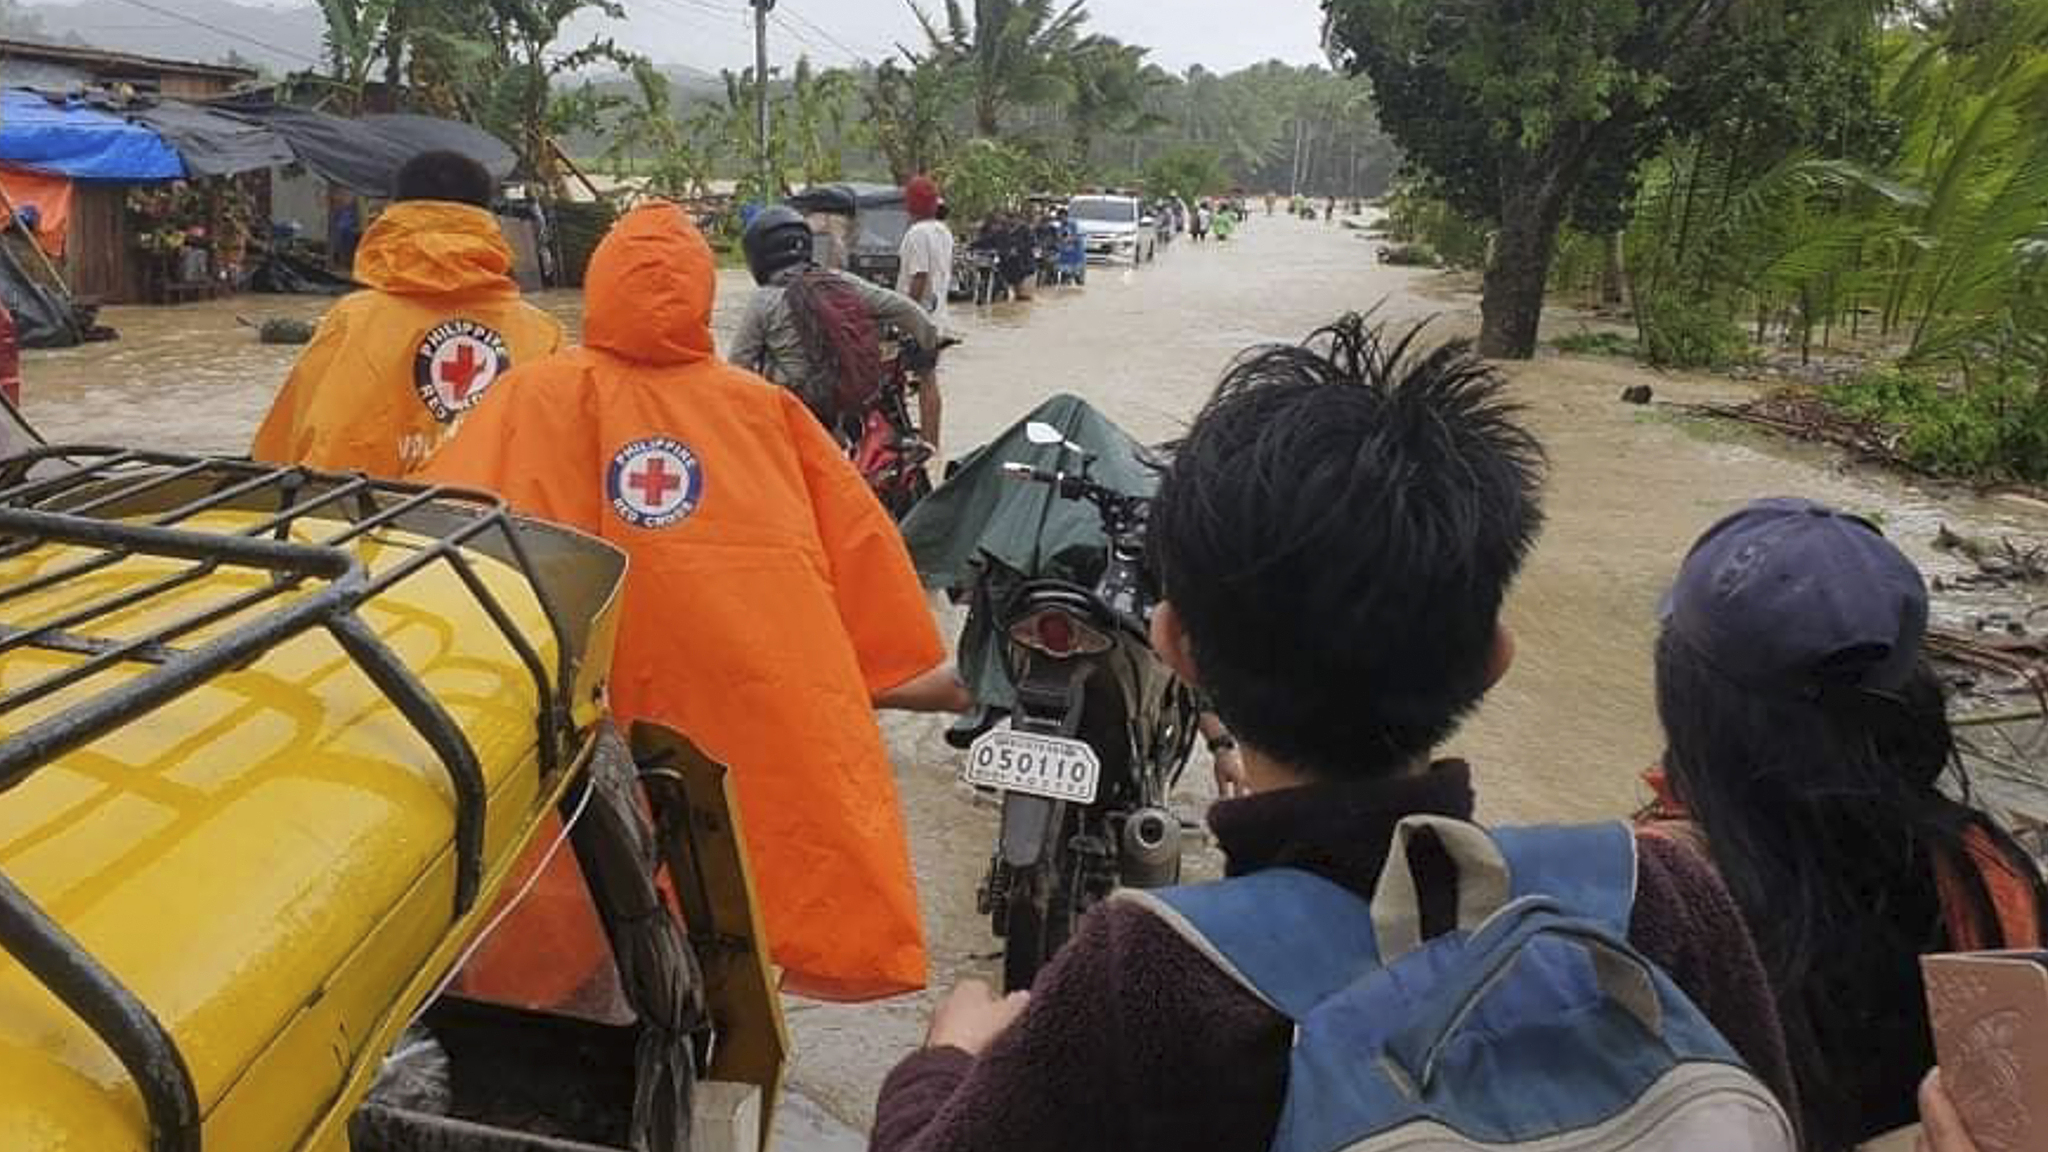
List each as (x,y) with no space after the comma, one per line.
(1825,817)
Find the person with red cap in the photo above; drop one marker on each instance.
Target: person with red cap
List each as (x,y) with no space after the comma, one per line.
(926,276)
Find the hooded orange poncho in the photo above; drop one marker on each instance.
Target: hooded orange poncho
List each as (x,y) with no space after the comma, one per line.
(392,369)
(769,599)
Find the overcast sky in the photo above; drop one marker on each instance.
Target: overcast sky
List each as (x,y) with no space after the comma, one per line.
(1222,35)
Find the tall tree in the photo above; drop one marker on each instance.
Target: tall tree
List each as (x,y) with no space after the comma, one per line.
(1012,51)
(1508,108)
(910,108)
(1109,84)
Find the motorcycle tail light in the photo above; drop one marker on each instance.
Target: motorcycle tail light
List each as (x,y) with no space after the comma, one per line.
(1059,635)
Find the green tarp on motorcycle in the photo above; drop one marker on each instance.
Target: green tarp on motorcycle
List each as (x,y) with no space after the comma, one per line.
(983,516)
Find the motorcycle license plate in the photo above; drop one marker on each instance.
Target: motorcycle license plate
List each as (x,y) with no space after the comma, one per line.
(1050,766)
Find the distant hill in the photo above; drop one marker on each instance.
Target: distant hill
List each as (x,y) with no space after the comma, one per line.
(278,39)
(274,37)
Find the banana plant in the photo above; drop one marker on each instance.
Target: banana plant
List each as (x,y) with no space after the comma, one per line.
(355,40)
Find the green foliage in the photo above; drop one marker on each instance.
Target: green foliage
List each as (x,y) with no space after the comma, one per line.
(1110,84)
(1675,335)
(987,176)
(1532,115)
(1990,429)
(910,110)
(816,114)
(677,163)
(498,63)
(1416,219)
(1486,99)
(1187,173)
(355,37)
(1012,52)
(1916,226)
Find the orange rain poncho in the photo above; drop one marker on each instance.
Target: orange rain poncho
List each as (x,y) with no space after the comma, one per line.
(392,369)
(769,600)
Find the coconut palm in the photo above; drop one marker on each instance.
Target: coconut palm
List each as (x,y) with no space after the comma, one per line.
(1012,52)
(1109,86)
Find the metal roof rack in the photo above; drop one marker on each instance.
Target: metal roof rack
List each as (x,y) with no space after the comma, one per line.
(112,504)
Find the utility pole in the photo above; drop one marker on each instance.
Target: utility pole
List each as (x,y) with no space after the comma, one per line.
(761,10)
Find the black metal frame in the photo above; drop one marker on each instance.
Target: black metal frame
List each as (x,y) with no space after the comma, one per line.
(313,585)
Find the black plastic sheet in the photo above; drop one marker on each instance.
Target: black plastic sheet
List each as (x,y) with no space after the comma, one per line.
(364,155)
(984,524)
(213,142)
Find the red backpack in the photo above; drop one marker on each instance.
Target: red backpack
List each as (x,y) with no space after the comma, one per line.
(840,335)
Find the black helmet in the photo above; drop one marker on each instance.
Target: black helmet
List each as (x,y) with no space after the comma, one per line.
(777,240)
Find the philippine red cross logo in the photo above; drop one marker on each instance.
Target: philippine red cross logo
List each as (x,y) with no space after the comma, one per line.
(457,363)
(654,483)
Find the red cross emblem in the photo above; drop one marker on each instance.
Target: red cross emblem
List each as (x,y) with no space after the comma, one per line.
(459,372)
(457,363)
(654,483)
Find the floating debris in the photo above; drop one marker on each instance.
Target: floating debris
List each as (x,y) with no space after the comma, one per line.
(1800,414)
(281,330)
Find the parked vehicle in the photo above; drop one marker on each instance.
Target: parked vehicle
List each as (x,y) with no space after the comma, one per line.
(276,747)
(880,220)
(1116,228)
(887,446)
(1100,734)
(977,275)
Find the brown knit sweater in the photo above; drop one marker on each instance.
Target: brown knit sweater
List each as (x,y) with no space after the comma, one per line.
(1134,1042)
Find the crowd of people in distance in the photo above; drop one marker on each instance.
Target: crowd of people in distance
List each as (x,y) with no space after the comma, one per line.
(1335,536)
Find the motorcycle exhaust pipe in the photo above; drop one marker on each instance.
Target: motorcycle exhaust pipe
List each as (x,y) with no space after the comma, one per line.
(1150,855)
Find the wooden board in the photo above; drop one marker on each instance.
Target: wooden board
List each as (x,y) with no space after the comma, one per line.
(703,846)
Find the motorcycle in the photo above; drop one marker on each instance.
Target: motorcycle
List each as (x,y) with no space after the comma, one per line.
(886,444)
(1101,732)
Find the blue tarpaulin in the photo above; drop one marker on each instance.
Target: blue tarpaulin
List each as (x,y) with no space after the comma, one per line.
(70,139)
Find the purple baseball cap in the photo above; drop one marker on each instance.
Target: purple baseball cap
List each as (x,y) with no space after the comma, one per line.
(1790,597)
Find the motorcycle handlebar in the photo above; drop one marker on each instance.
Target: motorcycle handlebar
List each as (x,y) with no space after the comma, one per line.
(1035,475)
(1070,487)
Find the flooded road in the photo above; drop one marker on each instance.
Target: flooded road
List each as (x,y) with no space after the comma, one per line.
(1563,738)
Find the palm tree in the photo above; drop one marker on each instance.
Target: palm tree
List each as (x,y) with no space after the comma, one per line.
(1012,51)
(1111,85)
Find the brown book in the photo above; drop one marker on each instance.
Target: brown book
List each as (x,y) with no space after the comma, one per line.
(1990,1016)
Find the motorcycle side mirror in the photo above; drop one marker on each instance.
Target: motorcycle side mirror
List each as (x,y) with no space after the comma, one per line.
(1045,435)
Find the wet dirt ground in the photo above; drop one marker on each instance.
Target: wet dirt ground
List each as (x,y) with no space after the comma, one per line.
(1563,738)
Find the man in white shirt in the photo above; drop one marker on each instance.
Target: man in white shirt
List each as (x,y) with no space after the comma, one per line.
(926,276)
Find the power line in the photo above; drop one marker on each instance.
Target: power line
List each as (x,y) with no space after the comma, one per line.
(728,26)
(230,33)
(802,38)
(857,53)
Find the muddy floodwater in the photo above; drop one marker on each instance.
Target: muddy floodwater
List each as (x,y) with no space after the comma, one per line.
(1563,738)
